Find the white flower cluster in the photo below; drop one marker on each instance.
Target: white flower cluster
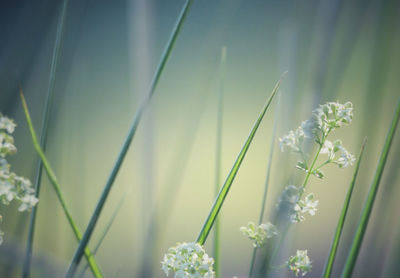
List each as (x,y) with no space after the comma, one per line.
(260,233)
(12,187)
(331,149)
(302,207)
(300,263)
(188,260)
(324,119)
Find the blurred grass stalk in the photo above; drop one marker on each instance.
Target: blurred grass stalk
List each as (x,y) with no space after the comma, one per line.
(53,180)
(208,224)
(335,244)
(43,136)
(105,232)
(266,184)
(107,188)
(218,151)
(366,212)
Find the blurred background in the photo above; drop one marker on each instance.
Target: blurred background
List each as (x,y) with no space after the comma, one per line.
(332,50)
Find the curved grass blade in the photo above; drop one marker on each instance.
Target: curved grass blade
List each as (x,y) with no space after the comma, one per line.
(43,137)
(105,232)
(53,180)
(93,220)
(267,178)
(205,230)
(362,226)
(216,242)
(332,254)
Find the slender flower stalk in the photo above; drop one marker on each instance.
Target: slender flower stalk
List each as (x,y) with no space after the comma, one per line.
(125,147)
(218,151)
(369,202)
(325,119)
(335,244)
(53,181)
(43,136)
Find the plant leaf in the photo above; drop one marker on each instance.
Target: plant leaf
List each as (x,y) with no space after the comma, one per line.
(342,218)
(53,181)
(369,202)
(232,174)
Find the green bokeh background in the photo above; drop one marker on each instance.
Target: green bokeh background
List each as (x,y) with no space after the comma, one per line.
(332,50)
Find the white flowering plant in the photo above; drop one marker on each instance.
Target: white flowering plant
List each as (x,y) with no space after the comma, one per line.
(259,234)
(188,260)
(12,186)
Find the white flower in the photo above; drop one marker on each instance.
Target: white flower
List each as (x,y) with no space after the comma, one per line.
(290,196)
(302,207)
(188,260)
(300,263)
(7,124)
(12,187)
(28,202)
(6,145)
(328,148)
(259,234)
(346,159)
(293,140)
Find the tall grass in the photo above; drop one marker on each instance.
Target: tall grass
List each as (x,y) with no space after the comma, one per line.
(266,187)
(110,181)
(369,202)
(53,180)
(43,135)
(216,242)
(335,244)
(208,224)
(105,231)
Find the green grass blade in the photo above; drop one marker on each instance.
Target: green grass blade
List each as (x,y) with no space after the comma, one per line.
(93,220)
(53,180)
(105,231)
(205,230)
(216,242)
(267,178)
(43,137)
(335,244)
(362,226)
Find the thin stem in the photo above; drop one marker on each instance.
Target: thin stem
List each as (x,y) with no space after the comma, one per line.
(105,231)
(53,181)
(219,201)
(369,202)
(335,244)
(125,147)
(216,242)
(43,138)
(267,178)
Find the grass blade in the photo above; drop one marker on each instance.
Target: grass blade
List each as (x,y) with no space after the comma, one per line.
(53,180)
(332,254)
(205,230)
(43,137)
(105,231)
(216,242)
(362,226)
(93,220)
(267,178)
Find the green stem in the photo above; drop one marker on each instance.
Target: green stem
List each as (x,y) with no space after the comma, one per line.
(205,230)
(43,138)
(335,244)
(125,147)
(216,242)
(53,180)
(366,212)
(267,178)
